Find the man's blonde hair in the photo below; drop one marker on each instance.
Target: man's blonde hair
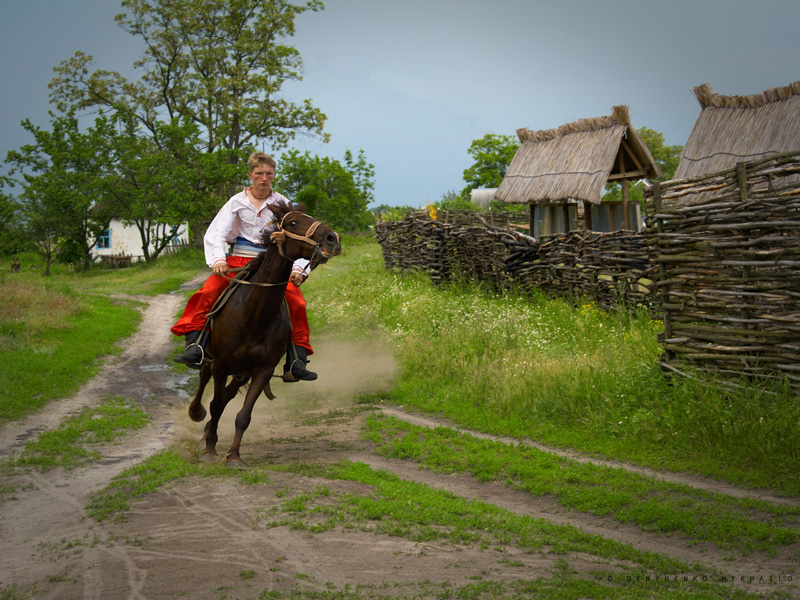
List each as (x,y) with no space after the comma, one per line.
(259,158)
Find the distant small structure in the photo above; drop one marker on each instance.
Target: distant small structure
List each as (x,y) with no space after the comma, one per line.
(121,240)
(558,171)
(483,197)
(735,129)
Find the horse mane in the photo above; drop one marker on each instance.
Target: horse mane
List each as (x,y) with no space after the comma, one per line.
(279,210)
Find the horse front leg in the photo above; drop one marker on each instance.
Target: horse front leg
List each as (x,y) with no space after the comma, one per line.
(210,438)
(259,383)
(197,411)
(216,408)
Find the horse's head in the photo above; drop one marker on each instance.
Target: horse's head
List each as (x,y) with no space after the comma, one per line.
(302,236)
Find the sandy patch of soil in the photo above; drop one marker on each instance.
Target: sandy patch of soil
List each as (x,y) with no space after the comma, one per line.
(211,538)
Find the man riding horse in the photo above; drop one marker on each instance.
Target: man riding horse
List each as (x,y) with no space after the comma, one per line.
(243,221)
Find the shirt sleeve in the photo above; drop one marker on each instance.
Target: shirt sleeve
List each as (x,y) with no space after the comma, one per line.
(214,240)
(300,266)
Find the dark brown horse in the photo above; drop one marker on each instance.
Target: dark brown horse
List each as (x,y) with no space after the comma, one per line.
(249,335)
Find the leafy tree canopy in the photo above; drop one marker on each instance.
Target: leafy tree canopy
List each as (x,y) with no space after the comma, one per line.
(452,200)
(491,154)
(336,193)
(12,235)
(157,183)
(61,174)
(218,63)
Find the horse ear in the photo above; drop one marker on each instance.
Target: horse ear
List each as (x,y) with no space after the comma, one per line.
(299,207)
(280,208)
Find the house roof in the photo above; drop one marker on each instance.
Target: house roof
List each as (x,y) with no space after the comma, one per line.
(732,129)
(483,196)
(576,160)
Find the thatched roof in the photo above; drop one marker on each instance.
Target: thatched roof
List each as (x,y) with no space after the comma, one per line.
(576,160)
(483,196)
(732,129)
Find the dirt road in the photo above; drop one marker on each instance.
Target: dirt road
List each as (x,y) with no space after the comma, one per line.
(206,538)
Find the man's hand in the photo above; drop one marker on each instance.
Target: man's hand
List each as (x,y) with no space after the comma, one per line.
(297,278)
(220,268)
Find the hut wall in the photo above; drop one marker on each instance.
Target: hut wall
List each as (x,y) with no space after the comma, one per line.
(610,216)
(727,249)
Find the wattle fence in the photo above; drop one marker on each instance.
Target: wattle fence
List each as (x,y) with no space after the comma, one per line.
(611,269)
(727,250)
(719,262)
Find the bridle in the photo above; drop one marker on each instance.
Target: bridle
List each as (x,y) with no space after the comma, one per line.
(279,237)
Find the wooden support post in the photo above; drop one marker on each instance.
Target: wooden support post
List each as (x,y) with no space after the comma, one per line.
(626,219)
(587,215)
(662,270)
(530,220)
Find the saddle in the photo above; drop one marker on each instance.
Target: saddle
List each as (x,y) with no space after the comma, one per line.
(242,276)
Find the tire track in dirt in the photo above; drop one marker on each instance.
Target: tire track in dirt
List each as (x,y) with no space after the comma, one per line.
(522,503)
(688,479)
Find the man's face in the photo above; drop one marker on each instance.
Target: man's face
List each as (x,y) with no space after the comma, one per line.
(262,177)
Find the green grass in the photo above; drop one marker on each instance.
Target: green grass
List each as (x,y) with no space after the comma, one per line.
(730,523)
(566,374)
(165,275)
(54,330)
(45,361)
(75,441)
(563,585)
(389,505)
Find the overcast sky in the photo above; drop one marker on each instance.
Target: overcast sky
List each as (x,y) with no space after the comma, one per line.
(412,83)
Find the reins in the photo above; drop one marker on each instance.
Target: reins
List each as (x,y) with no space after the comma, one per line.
(278,237)
(257,283)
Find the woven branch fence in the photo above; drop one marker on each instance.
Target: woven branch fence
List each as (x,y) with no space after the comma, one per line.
(727,250)
(719,262)
(611,268)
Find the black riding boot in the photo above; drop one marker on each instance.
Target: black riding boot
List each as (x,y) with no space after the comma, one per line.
(297,365)
(193,355)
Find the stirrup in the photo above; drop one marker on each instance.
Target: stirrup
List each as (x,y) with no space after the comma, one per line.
(289,374)
(192,365)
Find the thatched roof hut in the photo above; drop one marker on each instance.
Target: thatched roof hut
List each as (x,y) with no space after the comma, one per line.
(576,160)
(483,196)
(733,129)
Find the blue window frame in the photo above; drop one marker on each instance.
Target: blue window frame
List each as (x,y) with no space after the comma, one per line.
(104,239)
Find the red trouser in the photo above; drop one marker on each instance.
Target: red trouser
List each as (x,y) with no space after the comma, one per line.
(194,315)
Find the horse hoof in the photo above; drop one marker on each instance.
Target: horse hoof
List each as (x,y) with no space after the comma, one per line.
(197,416)
(235,463)
(209,457)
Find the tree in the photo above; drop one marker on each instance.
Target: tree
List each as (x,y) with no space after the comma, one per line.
(452,200)
(12,236)
(492,154)
(217,63)
(667,157)
(159,182)
(62,174)
(335,193)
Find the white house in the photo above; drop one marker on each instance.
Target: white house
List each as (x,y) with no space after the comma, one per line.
(121,240)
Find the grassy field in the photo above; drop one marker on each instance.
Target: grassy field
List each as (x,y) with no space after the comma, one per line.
(54,330)
(564,374)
